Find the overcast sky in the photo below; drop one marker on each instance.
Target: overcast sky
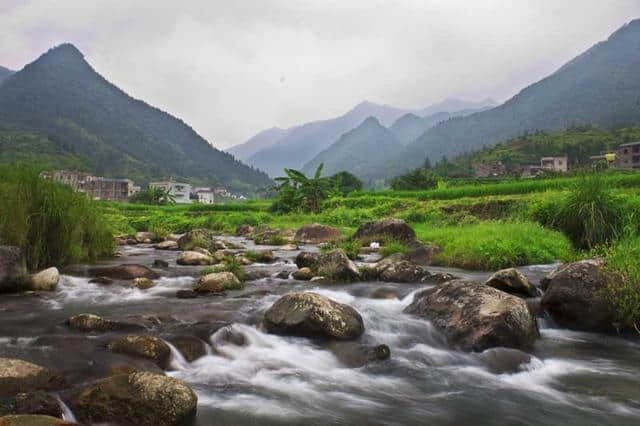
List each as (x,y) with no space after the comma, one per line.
(231,68)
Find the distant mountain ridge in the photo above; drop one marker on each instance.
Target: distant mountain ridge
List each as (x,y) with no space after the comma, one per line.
(84,116)
(262,140)
(357,151)
(4,73)
(302,143)
(600,87)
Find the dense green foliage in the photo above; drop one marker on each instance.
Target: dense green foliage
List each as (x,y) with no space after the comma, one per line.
(589,214)
(80,115)
(53,225)
(345,183)
(416,180)
(623,259)
(153,196)
(297,191)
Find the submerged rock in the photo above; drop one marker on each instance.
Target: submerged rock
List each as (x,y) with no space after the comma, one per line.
(186,294)
(17,376)
(94,323)
(45,280)
(385,293)
(37,402)
(476,317)
(312,315)
(123,272)
(148,347)
(101,280)
(513,282)
(160,263)
(194,258)
(316,234)
(191,347)
(147,399)
(575,296)
(13,268)
(357,355)
(386,229)
(505,360)
(143,283)
(303,274)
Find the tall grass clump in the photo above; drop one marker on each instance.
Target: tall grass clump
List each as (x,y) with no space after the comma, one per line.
(52,224)
(590,215)
(623,260)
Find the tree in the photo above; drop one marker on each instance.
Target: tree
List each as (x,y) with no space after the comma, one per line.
(297,190)
(427,163)
(153,196)
(417,179)
(345,182)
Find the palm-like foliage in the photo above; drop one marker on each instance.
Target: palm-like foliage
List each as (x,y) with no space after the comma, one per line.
(296,190)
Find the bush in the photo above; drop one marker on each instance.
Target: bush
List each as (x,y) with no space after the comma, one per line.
(589,215)
(350,247)
(52,224)
(623,259)
(417,179)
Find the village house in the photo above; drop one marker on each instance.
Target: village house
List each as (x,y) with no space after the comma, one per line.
(555,164)
(96,187)
(628,156)
(204,195)
(181,192)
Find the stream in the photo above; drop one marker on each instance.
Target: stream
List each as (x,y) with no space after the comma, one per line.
(252,377)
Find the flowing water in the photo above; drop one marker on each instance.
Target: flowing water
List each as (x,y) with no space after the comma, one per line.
(250,377)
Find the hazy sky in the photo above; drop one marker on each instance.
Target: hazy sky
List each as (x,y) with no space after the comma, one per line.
(233,67)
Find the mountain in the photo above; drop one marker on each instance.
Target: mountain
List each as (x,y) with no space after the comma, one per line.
(410,126)
(357,151)
(4,73)
(260,141)
(601,87)
(304,142)
(454,104)
(61,98)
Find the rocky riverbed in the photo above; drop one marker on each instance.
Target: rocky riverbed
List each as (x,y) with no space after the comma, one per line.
(424,346)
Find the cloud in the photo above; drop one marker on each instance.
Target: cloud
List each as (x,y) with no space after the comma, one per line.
(232,68)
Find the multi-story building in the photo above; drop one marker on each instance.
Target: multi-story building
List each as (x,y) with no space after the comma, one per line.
(205,195)
(628,156)
(556,164)
(96,187)
(181,192)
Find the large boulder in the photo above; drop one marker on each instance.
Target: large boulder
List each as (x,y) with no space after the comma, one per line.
(144,398)
(194,258)
(316,234)
(90,323)
(575,296)
(307,259)
(13,268)
(312,315)
(17,376)
(33,420)
(475,317)
(196,238)
(336,266)
(148,347)
(394,229)
(123,272)
(217,282)
(45,280)
(513,282)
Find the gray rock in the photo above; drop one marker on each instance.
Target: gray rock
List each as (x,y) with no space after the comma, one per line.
(217,282)
(167,245)
(395,229)
(37,402)
(513,282)
(94,323)
(45,280)
(13,268)
(475,316)
(194,258)
(316,234)
(17,376)
(148,347)
(312,315)
(303,274)
(123,272)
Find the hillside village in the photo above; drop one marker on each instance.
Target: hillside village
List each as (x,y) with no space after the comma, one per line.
(109,189)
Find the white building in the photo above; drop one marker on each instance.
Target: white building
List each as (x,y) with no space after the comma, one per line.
(179,191)
(556,164)
(205,195)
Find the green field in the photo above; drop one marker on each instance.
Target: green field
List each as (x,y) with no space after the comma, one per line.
(478,226)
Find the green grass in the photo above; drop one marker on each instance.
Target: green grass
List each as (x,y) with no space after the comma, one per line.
(496,245)
(393,247)
(53,225)
(623,259)
(350,247)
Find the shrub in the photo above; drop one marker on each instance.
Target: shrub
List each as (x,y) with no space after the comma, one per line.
(350,247)
(52,224)
(417,179)
(589,215)
(623,259)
